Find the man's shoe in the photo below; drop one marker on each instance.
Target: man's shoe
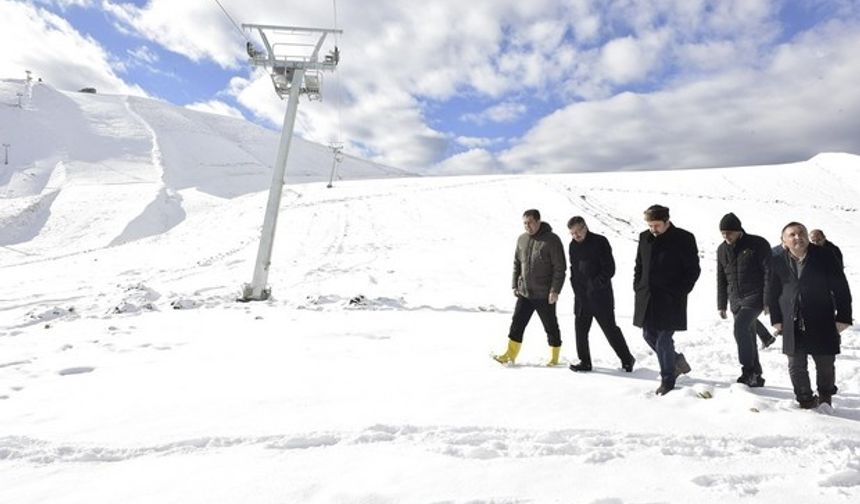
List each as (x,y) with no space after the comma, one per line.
(681,365)
(808,402)
(768,342)
(580,367)
(628,366)
(823,398)
(664,388)
(756,381)
(751,380)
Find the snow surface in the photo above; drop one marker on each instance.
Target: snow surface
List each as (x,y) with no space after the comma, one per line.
(129,373)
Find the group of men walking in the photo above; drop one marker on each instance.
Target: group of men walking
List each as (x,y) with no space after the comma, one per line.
(801,286)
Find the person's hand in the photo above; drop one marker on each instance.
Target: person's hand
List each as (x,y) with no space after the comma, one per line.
(553,297)
(515,292)
(723,314)
(841,326)
(778,327)
(766,310)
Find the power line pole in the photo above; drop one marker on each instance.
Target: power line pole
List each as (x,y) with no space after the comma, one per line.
(293,72)
(6,153)
(337,157)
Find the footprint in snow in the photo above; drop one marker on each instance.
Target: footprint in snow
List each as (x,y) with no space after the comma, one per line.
(76,370)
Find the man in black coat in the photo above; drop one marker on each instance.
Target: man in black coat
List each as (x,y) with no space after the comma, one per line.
(817,237)
(743,273)
(591,270)
(667,267)
(810,302)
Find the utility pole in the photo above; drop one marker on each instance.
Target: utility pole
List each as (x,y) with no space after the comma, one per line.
(337,157)
(294,71)
(6,153)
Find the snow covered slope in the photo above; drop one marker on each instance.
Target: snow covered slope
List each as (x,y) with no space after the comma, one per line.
(125,362)
(65,148)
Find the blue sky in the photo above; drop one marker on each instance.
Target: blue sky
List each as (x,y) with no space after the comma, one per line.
(492,86)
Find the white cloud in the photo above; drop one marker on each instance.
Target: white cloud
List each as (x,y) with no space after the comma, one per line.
(476,142)
(794,107)
(398,56)
(65,4)
(144,54)
(628,59)
(501,113)
(216,107)
(193,29)
(37,40)
(471,162)
(395,56)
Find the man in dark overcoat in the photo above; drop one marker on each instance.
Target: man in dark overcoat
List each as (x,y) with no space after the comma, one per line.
(743,273)
(810,302)
(591,270)
(818,237)
(667,267)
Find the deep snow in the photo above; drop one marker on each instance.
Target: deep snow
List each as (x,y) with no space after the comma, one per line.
(128,373)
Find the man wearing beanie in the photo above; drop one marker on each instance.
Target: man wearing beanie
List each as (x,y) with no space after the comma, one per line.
(743,276)
(667,267)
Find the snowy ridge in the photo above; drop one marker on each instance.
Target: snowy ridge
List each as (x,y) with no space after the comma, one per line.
(126,362)
(64,147)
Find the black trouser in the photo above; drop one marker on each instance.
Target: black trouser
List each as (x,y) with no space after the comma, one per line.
(523,313)
(763,333)
(825,375)
(745,320)
(606,321)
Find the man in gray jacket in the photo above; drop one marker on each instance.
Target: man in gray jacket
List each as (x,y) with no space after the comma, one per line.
(538,276)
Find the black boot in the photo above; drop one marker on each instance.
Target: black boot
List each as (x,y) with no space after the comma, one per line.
(753,380)
(827,396)
(808,402)
(681,365)
(581,367)
(627,366)
(664,388)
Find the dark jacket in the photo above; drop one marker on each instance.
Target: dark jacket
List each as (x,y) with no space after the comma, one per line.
(591,270)
(838,253)
(667,267)
(743,273)
(809,307)
(539,264)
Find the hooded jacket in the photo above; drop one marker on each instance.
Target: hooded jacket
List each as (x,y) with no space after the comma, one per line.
(539,264)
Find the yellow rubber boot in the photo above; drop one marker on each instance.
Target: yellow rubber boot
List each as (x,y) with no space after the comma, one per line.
(510,354)
(553,359)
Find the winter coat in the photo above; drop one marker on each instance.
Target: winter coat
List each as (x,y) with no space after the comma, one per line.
(539,264)
(743,272)
(838,253)
(667,267)
(591,270)
(814,302)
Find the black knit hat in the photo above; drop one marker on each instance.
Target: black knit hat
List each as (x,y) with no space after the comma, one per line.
(730,222)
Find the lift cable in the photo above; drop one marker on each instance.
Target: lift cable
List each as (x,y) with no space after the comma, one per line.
(232,21)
